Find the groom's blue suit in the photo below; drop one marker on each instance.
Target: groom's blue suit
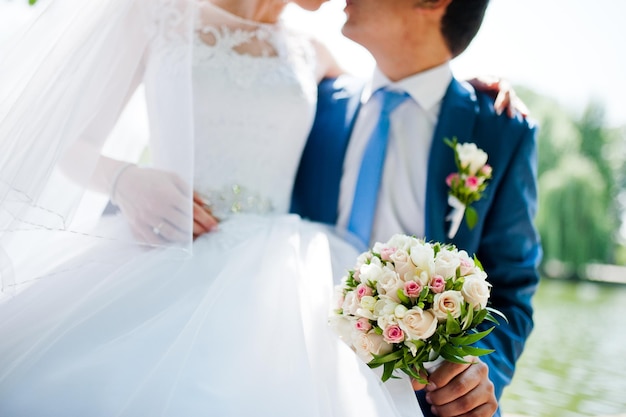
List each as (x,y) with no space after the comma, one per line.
(504,239)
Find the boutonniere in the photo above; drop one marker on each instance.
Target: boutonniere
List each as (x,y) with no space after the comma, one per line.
(466,185)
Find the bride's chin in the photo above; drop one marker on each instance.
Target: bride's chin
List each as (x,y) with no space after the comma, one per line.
(309,5)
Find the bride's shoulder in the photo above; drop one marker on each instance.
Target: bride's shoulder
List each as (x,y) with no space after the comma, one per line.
(166,19)
(326,65)
(166,10)
(327,62)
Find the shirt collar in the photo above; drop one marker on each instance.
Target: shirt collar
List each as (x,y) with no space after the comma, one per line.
(426,88)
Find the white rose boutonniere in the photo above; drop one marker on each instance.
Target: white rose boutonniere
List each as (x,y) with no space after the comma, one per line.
(466,185)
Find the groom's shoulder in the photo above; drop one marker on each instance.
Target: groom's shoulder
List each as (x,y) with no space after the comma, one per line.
(488,118)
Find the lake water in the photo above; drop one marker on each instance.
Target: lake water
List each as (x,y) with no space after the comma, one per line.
(575,359)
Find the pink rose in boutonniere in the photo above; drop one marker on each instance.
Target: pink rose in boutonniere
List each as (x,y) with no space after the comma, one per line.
(466,185)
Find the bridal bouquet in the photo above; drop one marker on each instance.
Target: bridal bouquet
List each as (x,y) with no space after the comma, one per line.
(408,302)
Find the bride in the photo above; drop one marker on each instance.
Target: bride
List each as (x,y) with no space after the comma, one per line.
(159,309)
(172,281)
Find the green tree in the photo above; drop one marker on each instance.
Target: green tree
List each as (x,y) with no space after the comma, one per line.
(558,135)
(572,218)
(605,147)
(581,173)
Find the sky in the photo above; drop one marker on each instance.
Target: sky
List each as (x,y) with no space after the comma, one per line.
(570,50)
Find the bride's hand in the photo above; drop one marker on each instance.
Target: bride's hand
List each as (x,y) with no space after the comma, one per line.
(501,90)
(203,219)
(156,203)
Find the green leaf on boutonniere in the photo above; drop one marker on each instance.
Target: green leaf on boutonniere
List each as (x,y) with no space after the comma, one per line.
(471,217)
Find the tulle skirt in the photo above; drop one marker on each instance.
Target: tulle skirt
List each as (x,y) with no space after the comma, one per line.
(237,329)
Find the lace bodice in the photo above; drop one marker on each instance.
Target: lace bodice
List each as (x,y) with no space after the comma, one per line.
(254,93)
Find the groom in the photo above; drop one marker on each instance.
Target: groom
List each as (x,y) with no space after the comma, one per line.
(413,42)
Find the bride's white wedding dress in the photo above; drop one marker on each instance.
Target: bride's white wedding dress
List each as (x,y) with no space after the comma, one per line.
(240,327)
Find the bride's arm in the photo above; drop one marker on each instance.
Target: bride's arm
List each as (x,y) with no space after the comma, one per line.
(154,202)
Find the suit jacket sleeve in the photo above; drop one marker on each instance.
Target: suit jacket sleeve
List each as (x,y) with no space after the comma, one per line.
(510,251)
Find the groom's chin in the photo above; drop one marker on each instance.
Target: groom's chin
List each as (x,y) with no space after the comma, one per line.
(351,31)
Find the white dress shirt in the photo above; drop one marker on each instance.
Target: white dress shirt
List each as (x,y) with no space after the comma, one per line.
(402,196)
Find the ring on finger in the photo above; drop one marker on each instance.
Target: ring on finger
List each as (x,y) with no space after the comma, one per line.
(157,229)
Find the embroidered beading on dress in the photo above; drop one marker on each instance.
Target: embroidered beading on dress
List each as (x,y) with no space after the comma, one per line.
(235,199)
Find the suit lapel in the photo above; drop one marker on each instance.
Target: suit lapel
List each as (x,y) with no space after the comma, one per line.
(456,119)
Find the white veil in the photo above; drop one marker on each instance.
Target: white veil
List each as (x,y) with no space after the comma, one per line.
(63,84)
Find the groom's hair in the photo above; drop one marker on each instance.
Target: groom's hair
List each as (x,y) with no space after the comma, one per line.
(461,22)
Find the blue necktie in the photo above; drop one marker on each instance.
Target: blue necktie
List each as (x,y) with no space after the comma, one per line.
(370,173)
